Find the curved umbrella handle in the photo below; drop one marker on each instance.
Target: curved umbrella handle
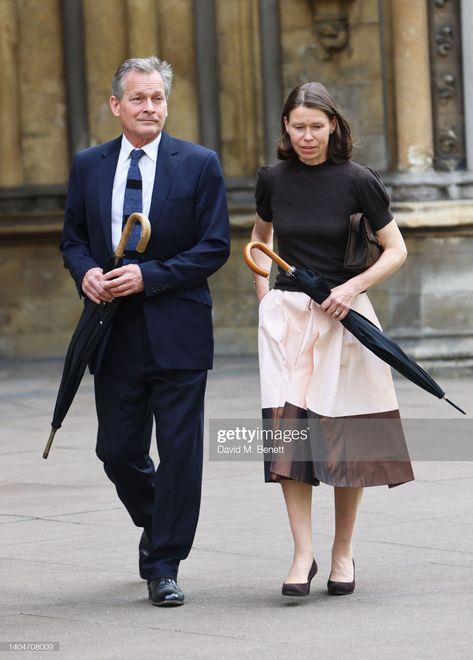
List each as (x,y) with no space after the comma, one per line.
(272,255)
(145,233)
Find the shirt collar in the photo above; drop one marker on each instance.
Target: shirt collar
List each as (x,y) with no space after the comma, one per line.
(150,149)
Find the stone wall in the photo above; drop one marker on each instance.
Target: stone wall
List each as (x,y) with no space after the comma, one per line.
(117,29)
(39,303)
(353,74)
(33,113)
(33,134)
(426,305)
(362,51)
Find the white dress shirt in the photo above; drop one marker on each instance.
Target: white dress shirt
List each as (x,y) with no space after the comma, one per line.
(147,165)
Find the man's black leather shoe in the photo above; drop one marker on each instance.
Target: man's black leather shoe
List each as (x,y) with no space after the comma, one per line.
(165,592)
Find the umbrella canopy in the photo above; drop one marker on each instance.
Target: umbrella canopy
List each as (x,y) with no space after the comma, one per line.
(362,328)
(93,323)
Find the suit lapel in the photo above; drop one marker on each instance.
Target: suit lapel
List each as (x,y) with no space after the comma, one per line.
(106,175)
(168,160)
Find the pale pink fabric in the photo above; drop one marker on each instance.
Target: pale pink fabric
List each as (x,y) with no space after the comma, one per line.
(308,359)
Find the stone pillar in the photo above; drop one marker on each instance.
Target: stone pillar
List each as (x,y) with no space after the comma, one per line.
(412,85)
(271,73)
(106,48)
(240,86)
(42,95)
(142,31)
(176,46)
(76,79)
(467,44)
(11,167)
(206,52)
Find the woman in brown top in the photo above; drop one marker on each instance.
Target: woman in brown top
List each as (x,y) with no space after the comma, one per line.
(310,365)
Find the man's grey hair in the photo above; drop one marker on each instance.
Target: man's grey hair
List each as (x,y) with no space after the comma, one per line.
(143,65)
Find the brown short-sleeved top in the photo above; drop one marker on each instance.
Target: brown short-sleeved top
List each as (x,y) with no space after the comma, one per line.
(310,207)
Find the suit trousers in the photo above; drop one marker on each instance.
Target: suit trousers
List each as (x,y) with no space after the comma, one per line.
(130,391)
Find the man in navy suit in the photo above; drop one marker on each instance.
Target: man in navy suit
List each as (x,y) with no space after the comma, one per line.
(153,364)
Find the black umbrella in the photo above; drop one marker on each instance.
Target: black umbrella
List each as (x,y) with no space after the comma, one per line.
(93,323)
(362,328)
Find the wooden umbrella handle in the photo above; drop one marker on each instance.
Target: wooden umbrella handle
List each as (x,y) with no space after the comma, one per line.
(144,238)
(264,248)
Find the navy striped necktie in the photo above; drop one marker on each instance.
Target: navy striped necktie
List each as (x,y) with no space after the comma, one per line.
(133,201)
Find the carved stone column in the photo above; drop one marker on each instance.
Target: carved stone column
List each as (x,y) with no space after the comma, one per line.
(412,85)
(11,168)
(447,88)
(467,44)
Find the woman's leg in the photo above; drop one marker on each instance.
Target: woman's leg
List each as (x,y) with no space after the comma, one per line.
(347,501)
(298,496)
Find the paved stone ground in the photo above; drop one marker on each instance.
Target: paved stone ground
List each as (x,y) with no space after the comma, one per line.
(68,556)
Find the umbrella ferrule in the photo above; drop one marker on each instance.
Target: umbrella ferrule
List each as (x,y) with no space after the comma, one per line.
(454,405)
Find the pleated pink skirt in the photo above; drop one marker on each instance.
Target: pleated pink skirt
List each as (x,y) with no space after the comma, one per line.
(312,368)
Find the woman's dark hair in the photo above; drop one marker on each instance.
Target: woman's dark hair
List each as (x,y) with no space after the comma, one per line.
(315,95)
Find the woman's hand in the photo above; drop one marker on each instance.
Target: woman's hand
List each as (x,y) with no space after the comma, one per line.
(339,302)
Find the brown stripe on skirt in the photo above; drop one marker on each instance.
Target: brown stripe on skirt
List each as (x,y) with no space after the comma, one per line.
(354,451)
(313,369)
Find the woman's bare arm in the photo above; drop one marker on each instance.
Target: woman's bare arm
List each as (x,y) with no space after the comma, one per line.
(262,232)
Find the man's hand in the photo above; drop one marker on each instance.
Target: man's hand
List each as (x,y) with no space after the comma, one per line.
(123,281)
(93,286)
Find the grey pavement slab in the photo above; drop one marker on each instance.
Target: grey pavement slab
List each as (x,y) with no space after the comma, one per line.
(68,553)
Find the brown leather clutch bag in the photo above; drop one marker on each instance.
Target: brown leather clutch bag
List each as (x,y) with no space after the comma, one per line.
(363,246)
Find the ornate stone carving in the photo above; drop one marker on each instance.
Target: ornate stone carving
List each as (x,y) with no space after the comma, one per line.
(447,96)
(333,34)
(331,26)
(448,140)
(444,40)
(446,87)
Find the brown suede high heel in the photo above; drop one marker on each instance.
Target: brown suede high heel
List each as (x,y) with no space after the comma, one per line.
(300,588)
(341,588)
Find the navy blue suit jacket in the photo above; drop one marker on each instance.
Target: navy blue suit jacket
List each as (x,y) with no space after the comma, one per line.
(190,240)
